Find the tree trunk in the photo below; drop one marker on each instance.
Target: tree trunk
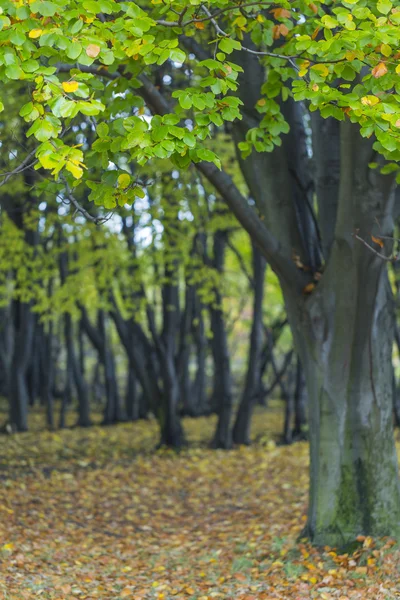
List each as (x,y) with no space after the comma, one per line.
(300,405)
(78,378)
(220,351)
(18,389)
(241,429)
(354,472)
(131,395)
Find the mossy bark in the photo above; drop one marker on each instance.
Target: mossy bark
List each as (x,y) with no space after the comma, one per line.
(345,341)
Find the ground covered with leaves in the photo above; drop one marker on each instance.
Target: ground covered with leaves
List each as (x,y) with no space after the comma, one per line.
(95,513)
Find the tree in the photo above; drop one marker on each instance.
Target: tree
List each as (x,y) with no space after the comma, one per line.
(102,59)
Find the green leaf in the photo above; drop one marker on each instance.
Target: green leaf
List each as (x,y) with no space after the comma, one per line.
(177,55)
(329,22)
(228,45)
(124,180)
(73,50)
(189,139)
(185,100)
(102,130)
(14,72)
(384,6)
(47,9)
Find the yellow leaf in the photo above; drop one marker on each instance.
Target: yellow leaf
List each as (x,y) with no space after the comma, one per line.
(35,33)
(321,69)
(369,100)
(386,50)
(75,170)
(368,542)
(189,591)
(199,25)
(124,180)
(8,547)
(70,86)
(398,69)
(93,50)
(261,102)
(380,70)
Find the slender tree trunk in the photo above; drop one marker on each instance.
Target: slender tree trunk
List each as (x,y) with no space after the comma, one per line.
(131,395)
(73,365)
(221,356)
(18,389)
(300,405)
(172,434)
(78,378)
(241,429)
(199,385)
(47,371)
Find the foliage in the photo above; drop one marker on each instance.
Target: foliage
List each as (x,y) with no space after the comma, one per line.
(92,514)
(89,60)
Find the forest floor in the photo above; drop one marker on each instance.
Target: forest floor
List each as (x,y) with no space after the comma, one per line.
(93,513)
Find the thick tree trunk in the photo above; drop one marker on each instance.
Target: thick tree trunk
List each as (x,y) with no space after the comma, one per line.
(241,429)
(354,472)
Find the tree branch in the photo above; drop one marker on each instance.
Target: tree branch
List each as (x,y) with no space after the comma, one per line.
(391,259)
(223,183)
(26,164)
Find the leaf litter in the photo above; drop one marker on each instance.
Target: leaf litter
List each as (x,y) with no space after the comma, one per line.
(95,513)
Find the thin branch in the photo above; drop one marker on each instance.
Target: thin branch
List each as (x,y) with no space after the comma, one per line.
(212,16)
(79,208)
(390,259)
(241,262)
(26,164)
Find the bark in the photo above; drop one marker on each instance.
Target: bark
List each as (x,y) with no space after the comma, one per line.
(221,356)
(23,321)
(343,337)
(140,353)
(343,333)
(168,413)
(300,405)
(241,429)
(132,407)
(99,338)
(199,385)
(74,372)
(47,374)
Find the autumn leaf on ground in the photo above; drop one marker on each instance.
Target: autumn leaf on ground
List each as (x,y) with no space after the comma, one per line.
(98,514)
